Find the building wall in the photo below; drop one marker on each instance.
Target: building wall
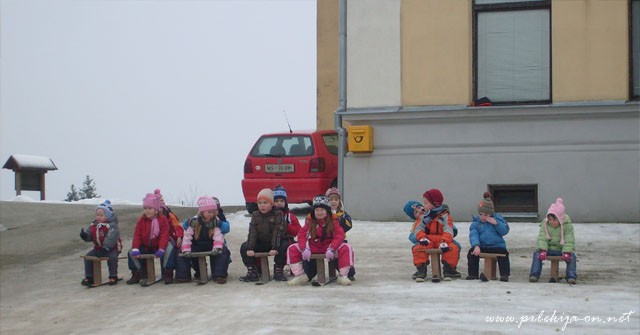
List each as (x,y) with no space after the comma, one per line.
(328,62)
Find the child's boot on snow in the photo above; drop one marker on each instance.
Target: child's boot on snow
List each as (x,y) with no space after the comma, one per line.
(278,273)
(87,281)
(252,274)
(135,277)
(167,275)
(421,273)
(450,272)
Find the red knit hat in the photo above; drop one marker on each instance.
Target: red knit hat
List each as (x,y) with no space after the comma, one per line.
(434,196)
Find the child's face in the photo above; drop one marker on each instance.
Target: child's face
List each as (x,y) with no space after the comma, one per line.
(100,216)
(334,201)
(427,204)
(320,213)
(484,217)
(553,220)
(208,215)
(418,211)
(149,212)
(279,203)
(264,206)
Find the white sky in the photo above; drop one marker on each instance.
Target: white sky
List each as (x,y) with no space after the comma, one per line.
(151,94)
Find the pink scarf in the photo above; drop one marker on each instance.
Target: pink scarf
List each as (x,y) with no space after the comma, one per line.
(155,228)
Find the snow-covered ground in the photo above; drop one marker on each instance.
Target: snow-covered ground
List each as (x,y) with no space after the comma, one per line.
(46,297)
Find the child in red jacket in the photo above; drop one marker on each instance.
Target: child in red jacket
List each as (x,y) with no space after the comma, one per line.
(293,227)
(105,235)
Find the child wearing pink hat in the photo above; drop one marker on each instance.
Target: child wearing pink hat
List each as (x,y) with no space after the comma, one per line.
(555,239)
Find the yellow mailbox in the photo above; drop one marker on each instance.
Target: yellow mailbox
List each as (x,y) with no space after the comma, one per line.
(360,138)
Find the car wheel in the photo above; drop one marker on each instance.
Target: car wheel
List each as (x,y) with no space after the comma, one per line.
(251,207)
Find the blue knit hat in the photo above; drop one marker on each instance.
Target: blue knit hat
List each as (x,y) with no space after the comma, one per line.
(280,193)
(108,210)
(409,208)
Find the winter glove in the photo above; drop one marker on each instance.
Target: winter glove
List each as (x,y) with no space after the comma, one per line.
(186,254)
(159,253)
(135,253)
(83,234)
(444,247)
(329,254)
(566,256)
(306,254)
(542,255)
(424,241)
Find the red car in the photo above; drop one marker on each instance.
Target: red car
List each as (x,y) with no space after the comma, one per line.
(305,163)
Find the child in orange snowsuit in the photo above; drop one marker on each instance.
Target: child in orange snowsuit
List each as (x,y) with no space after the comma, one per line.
(432,229)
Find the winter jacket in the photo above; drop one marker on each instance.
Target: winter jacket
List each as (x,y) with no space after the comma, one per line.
(142,234)
(267,228)
(554,243)
(175,227)
(103,235)
(484,234)
(293,224)
(323,239)
(203,236)
(436,226)
(345,220)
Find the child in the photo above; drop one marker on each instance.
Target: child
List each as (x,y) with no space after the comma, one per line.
(104,233)
(433,229)
(151,236)
(176,232)
(322,234)
(204,234)
(486,235)
(555,239)
(280,202)
(267,233)
(337,208)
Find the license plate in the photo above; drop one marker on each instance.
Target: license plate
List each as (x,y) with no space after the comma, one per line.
(278,168)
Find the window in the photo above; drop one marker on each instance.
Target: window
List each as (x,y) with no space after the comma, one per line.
(635,50)
(515,198)
(512,51)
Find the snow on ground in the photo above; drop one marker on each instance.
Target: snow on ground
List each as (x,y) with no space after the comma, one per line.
(46,297)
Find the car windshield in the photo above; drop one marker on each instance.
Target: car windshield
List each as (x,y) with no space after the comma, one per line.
(281,146)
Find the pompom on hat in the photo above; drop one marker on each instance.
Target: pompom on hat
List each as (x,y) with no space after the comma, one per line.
(265,194)
(151,200)
(486,205)
(434,196)
(409,208)
(108,210)
(207,203)
(557,209)
(160,198)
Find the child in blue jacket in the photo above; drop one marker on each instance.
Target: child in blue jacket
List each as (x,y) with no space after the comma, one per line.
(486,235)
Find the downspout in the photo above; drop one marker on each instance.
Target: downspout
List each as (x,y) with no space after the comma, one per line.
(342,102)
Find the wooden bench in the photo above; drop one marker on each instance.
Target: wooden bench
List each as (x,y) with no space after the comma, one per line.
(151,269)
(97,268)
(555,265)
(436,271)
(322,279)
(202,265)
(265,275)
(490,264)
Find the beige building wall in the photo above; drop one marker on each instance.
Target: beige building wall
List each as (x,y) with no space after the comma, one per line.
(436,52)
(590,52)
(328,62)
(373,53)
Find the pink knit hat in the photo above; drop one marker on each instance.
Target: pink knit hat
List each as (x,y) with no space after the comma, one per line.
(160,198)
(266,194)
(206,203)
(151,200)
(557,209)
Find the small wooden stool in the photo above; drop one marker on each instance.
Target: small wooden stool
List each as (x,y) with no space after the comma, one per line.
(555,265)
(151,269)
(490,264)
(97,269)
(436,271)
(202,264)
(264,266)
(322,279)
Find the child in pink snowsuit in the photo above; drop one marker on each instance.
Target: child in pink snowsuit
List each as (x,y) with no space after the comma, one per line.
(322,234)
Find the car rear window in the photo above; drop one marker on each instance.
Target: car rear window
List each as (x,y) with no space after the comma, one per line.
(331,142)
(283,146)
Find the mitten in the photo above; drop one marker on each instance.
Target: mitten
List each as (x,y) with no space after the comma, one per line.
(159,253)
(306,254)
(135,253)
(542,255)
(444,247)
(216,251)
(83,234)
(329,254)
(566,256)
(424,241)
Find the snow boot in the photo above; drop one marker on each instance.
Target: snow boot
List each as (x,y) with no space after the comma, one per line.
(252,274)
(298,280)
(450,272)
(278,273)
(135,277)
(167,275)
(421,273)
(571,281)
(483,277)
(343,280)
(533,279)
(87,281)
(113,280)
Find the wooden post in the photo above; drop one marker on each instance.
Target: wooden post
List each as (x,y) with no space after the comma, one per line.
(555,265)
(264,266)
(42,185)
(490,264)
(436,271)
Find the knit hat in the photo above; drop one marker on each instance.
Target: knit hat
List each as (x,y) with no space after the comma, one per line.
(410,207)
(320,201)
(108,210)
(151,200)
(160,198)
(557,209)
(266,194)
(434,196)
(333,190)
(206,203)
(280,193)
(486,205)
